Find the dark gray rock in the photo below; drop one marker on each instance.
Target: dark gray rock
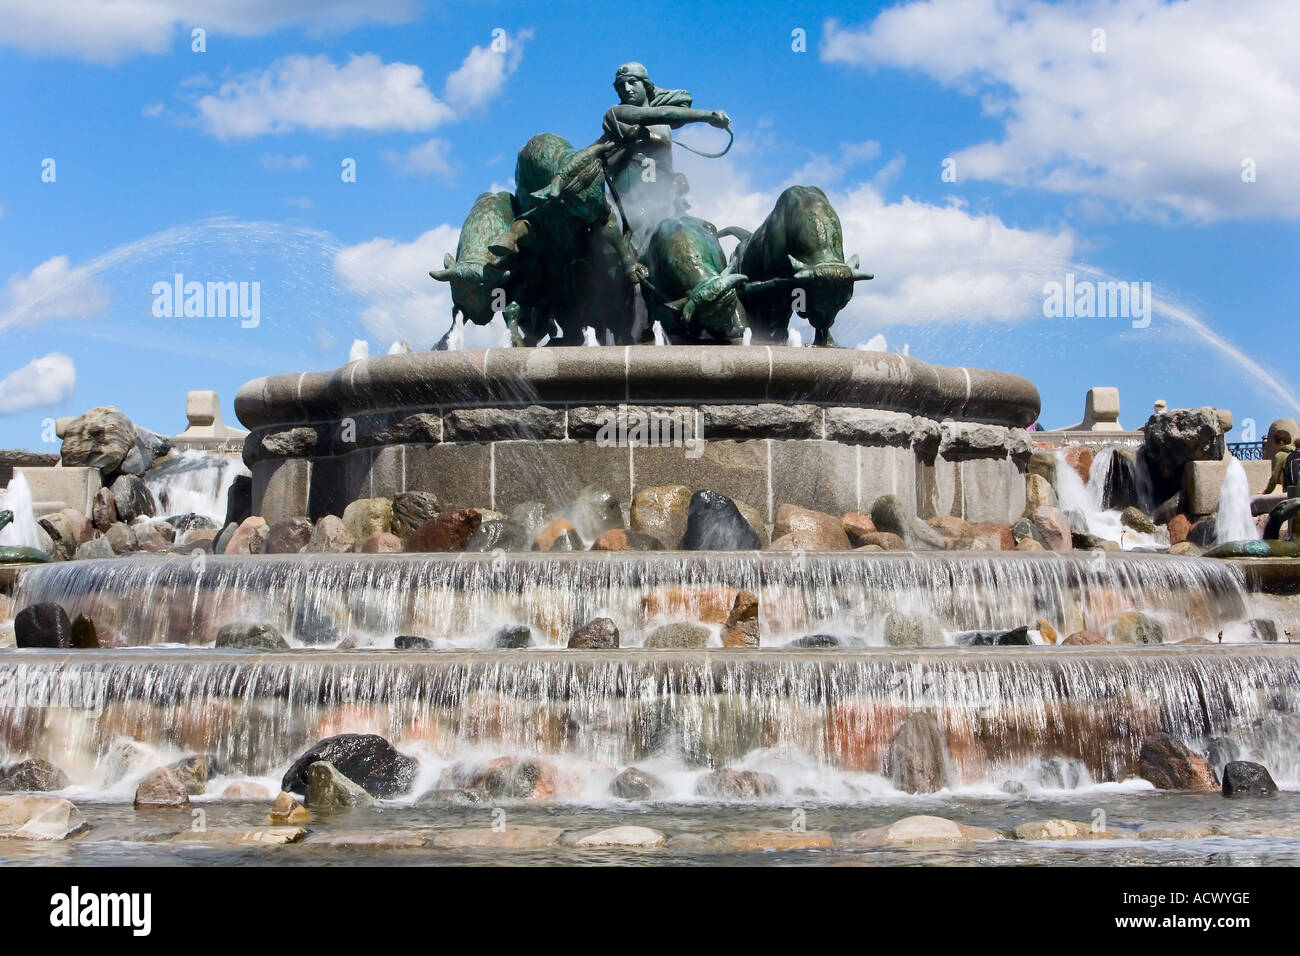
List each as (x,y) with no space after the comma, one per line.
(412,509)
(816,640)
(1263,629)
(315,622)
(366,759)
(223,539)
(1242,778)
(146,448)
(635,784)
(328,789)
(409,642)
(737,785)
(191,522)
(260,637)
(132,498)
(1167,764)
(1205,532)
(239,501)
(288,536)
(505,535)
(84,636)
(568,540)
(512,636)
(597,634)
(450,797)
(42,625)
(917,760)
(1180,435)
(31,776)
(714,523)
(1016,637)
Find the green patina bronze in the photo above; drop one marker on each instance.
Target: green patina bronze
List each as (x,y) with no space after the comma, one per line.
(16,553)
(599,238)
(1255,549)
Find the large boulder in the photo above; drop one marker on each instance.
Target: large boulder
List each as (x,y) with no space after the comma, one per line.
(1242,778)
(31,776)
(412,509)
(367,516)
(257,637)
(1168,764)
(249,537)
(512,637)
(366,759)
(635,784)
(42,625)
(121,538)
(678,635)
(162,788)
(450,531)
(808,530)
(146,448)
(917,760)
(597,634)
(330,536)
(327,789)
(288,536)
(1175,437)
(39,818)
(1134,627)
(714,523)
(661,512)
(730,784)
(888,514)
(132,498)
(101,438)
(905,629)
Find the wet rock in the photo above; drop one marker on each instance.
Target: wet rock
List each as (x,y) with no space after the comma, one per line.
(1052,528)
(330,536)
(367,516)
(1131,517)
(288,537)
(1022,530)
(661,512)
(597,634)
(917,760)
(59,528)
(882,540)
(856,527)
(742,627)
(450,531)
(286,811)
(508,778)
(888,514)
(101,438)
(121,538)
(103,512)
(635,784)
(532,516)
(1134,627)
(1057,829)
(1079,457)
(567,541)
(245,790)
(1180,435)
(1242,778)
(729,784)
(1204,533)
(512,636)
(99,548)
(714,523)
(223,539)
(754,519)
(1262,630)
(1186,549)
(816,640)
(1046,630)
(1016,637)
(259,637)
(249,537)
(39,818)
(132,498)
(191,521)
(812,530)
(162,788)
(42,625)
(951,527)
(152,535)
(624,836)
(903,629)
(195,772)
(620,540)
(594,512)
(503,535)
(1083,638)
(84,635)
(30,776)
(442,799)
(365,759)
(1168,764)
(548,535)
(1179,527)
(678,635)
(383,543)
(1221,751)
(409,642)
(239,500)
(327,789)
(411,509)
(922,831)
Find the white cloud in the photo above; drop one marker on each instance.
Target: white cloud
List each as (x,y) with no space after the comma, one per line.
(106,32)
(483,74)
(1160,122)
(300,202)
(278,161)
(47,380)
(310,92)
(153,110)
(53,290)
(429,158)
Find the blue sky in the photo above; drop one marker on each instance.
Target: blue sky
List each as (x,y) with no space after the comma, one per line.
(1114,155)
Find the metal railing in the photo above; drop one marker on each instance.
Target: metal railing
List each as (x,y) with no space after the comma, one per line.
(1246,450)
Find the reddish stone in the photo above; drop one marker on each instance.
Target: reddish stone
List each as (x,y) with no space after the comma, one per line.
(248,537)
(813,530)
(548,535)
(450,531)
(613,540)
(951,528)
(883,539)
(1179,527)
(993,532)
(1079,457)
(1053,528)
(741,626)
(385,542)
(1083,638)
(708,605)
(857,526)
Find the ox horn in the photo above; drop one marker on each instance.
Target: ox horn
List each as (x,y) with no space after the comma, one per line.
(801,269)
(858,275)
(442,275)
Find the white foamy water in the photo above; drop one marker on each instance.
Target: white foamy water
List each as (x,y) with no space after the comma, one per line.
(18,499)
(660,338)
(195,481)
(1086,499)
(1235,522)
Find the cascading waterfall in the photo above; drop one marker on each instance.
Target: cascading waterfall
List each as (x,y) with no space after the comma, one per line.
(195,482)
(462,598)
(814,721)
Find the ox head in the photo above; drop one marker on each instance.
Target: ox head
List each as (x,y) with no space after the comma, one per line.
(827,287)
(714,304)
(579,185)
(472,287)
